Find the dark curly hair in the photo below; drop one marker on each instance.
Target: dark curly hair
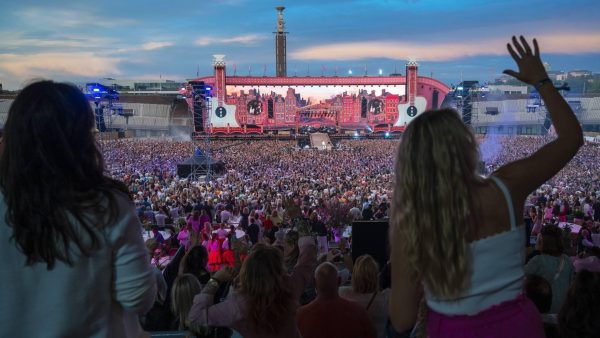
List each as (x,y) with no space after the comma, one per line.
(194,262)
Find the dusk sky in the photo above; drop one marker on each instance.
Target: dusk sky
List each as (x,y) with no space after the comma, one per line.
(85,40)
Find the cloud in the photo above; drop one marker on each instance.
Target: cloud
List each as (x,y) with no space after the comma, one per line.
(69,18)
(560,43)
(241,39)
(16,40)
(156,45)
(48,64)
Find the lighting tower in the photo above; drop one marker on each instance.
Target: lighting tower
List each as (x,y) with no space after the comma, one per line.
(280,44)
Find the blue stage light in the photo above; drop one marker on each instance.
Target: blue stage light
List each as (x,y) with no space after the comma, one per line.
(387,134)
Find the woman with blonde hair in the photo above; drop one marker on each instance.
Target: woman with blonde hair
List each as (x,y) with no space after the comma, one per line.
(448,235)
(185,288)
(366,292)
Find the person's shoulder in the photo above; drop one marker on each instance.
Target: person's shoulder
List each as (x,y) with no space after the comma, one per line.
(304,309)
(351,305)
(122,199)
(345,290)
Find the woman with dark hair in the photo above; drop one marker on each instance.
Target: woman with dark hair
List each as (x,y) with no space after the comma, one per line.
(450,238)
(74,262)
(578,317)
(265,301)
(195,262)
(552,264)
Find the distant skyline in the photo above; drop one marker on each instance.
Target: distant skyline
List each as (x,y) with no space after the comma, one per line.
(88,41)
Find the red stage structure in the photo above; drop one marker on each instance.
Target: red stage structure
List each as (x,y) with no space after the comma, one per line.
(242,104)
(256,104)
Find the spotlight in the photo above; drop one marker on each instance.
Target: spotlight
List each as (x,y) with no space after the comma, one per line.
(387,134)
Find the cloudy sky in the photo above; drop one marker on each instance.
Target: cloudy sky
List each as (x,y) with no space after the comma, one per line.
(85,40)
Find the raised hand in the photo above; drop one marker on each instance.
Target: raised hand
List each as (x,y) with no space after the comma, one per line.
(531,68)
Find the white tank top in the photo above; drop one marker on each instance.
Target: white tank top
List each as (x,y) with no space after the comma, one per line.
(497,274)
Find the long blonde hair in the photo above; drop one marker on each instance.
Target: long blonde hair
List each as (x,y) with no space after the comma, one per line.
(185,287)
(432,200)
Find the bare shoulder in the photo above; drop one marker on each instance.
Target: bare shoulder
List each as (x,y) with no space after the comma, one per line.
(491,215)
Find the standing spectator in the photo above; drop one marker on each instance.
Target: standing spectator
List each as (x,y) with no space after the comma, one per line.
(596,209)
(174,212)
(214,253)
(160,239)
(548,212)
(367,213)
(185,288)
(253,231)
(355,212)
(456,234)
(244,222)
(194,222)
(329,315)
(553,265)
(320,230)
(149,215)
(365,291)
(578,317)
(68,233)
(160,218)
(184,236)
(265,302)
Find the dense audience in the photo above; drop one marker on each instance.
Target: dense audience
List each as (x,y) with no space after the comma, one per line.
(244,206)
(264,248)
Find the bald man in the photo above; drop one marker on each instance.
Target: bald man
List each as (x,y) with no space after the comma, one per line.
(330,316)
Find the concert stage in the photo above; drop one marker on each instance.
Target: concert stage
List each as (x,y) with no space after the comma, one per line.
(258,104)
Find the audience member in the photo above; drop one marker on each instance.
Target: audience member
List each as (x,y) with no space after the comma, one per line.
(185,288)
(75,264)
(264,302)
(329,315)
(578,317)
(365,291)
(457,234)
(553,265)
(540,292)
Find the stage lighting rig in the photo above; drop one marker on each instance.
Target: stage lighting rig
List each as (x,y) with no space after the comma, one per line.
(103,97)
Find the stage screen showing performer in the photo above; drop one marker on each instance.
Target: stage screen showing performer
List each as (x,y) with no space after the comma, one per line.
(375,107)
(254,107)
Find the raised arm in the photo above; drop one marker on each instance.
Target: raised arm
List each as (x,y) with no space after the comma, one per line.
(525,175)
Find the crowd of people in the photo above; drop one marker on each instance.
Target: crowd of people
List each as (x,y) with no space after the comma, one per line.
(265,248)
(245,205)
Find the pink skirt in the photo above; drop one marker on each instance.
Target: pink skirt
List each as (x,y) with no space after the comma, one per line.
(518,318)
